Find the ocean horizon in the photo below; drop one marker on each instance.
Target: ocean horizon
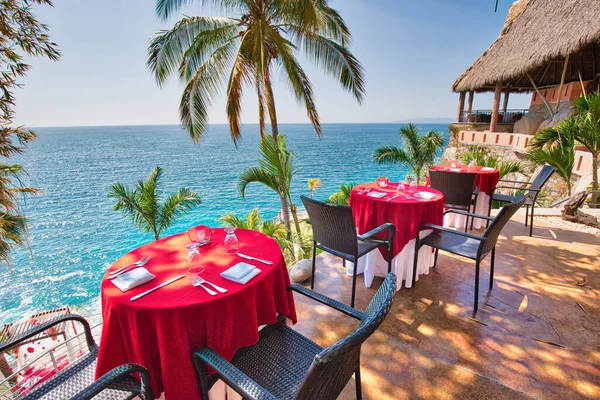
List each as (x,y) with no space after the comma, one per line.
(75,235)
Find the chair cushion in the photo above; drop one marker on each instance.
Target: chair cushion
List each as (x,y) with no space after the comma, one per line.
(453,243)
(508,199)
(279,361)
(79,375)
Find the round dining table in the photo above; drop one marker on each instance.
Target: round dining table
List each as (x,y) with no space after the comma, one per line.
(161,330)
(486,180)
(417,206)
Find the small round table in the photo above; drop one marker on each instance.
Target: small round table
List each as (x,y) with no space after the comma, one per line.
(407,213)
(486,181)
(162,329)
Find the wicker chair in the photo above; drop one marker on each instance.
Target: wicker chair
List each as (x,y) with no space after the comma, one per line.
(458,189)
(468,245)
(286,365)
(334,231)
(532,188)
(77,380)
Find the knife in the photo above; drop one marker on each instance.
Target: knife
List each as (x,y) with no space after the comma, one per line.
(134,298)
(255,259)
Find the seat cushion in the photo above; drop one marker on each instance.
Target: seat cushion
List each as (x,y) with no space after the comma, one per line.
(279,361)
(364,247)
(79,375)
(453,243)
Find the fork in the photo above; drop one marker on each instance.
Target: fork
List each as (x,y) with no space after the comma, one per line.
(140,263)
(201,281)
(198,283)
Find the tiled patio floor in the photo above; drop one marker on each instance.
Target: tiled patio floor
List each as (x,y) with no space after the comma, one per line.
(429,348)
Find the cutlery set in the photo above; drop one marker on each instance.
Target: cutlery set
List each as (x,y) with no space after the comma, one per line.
(198,281)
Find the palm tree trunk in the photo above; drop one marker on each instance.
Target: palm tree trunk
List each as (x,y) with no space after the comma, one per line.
(271,106)
(295,216)
(595,157)
(286,214)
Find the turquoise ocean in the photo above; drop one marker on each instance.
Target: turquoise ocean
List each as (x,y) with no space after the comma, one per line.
(75,235)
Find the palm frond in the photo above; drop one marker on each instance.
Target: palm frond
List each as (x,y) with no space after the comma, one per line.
(391,155)
(257,175)
(176,205)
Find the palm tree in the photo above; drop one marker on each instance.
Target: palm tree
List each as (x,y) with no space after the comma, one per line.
(263,35)
(313,185)
(22,37)
(275,171)
(419,152)
(143,205)
(343,196)
(556,146)
(588,118)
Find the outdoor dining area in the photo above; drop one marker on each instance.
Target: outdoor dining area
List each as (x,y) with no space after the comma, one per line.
(211,313)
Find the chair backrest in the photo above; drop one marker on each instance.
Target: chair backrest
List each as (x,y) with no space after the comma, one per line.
(540,179)
(333,367)
(333,225)
(456,187)
(493,231)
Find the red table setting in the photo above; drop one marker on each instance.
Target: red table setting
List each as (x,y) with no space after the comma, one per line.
(486,180)
(373,206)
(162,329)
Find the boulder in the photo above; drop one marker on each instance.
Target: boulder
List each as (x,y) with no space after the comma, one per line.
(302,271)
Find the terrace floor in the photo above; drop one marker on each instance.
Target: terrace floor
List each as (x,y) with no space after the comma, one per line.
(538,333)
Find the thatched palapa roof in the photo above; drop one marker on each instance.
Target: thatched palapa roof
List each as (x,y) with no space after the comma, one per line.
(536,38)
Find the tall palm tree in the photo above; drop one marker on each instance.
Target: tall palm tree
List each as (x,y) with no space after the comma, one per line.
(207,52)
(275,170)
(556,146)
(588,116)
(419,152)
(143,205)
(313,185)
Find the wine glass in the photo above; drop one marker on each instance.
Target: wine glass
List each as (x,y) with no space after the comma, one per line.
(471,166)
(453,164)
(382,181)
(410,180)
(200,235)
(195,264)
(401,189)
(232,245)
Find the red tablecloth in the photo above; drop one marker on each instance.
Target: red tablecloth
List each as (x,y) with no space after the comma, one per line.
(407,214)
(486,180)
(161,330)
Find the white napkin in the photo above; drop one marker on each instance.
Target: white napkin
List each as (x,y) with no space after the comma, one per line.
(488,169)
(133,278)
(241,273)
(425,195)
(455,169)
(377,195)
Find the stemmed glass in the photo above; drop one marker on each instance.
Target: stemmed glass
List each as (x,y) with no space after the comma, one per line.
(401,189)
(232,245)
(411,181)
(194,263)
(199,235)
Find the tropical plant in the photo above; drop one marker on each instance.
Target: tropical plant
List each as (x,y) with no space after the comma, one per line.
(275,170)
(343,196)
(483,158)
(418,152)
(21,36)
(245,49)
(294,248)
(556,146)
(313,185)
(588,121)
(143,205)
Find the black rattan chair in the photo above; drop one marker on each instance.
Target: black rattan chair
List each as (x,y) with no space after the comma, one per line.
(468,245)
(532,188)
(77,380)
(458,189)
(286,365)
(334,231)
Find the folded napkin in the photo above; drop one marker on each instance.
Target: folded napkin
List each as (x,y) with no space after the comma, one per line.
(133,278)
(241,273)
(425,195)
(488,169)
(455,169)
(377,195)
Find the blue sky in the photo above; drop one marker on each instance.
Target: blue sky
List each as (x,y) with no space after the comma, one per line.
(412,51)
